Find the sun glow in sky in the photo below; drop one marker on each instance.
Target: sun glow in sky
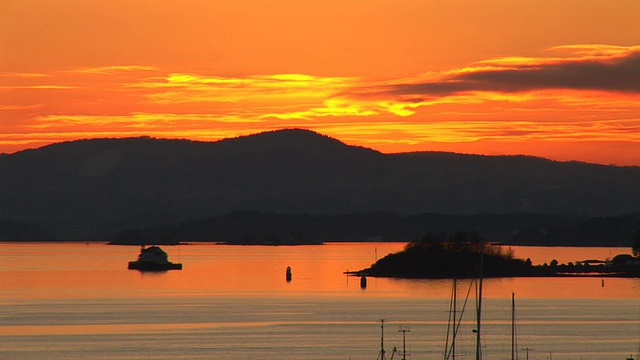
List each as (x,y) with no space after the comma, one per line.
(557,79)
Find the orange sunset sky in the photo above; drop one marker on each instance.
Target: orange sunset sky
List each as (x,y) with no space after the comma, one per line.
(552,78)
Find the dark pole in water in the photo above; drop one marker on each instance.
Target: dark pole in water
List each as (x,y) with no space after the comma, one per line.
(363,282)
(288,273)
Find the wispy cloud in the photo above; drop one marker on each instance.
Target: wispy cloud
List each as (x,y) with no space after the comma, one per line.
(168,122)
(6,107)
(36,87)
(595,67)
(106,70)
(21,75)
(191,88)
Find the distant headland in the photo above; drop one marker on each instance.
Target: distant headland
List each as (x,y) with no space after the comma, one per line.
(460,256)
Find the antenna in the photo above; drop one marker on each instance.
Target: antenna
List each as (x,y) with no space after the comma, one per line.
(404,343)
(527,351)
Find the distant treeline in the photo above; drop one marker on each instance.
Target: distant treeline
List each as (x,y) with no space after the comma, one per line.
(248,227)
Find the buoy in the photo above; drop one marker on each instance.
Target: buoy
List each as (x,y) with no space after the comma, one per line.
(363,282)
(288,273)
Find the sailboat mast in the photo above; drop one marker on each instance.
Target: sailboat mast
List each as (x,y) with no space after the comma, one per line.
(455,300)
(479,314)
(450,347)
(382,339)
(513,326)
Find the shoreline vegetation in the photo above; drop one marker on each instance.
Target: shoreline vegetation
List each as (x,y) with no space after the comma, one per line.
(134,242)
(259,227)
(459,255)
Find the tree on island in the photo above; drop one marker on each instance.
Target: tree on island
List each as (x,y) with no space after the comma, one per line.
(454,256)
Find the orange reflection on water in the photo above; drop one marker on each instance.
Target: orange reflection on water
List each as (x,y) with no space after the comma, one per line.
(50,271)
(565,254)
(564,288)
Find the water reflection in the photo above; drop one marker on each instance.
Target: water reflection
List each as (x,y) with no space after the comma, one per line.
(78,270)
(71,301)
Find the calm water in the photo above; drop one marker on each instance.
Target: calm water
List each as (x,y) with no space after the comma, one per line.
(78,301)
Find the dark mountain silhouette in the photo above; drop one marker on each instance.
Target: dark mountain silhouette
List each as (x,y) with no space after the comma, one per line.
(96,188)
(12,231)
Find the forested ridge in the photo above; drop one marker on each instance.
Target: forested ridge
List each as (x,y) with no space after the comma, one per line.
(321,187)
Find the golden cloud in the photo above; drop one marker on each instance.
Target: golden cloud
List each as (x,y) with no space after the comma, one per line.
(106,70)
(580,93)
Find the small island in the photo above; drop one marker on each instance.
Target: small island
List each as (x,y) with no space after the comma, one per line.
(153,258)
(459,256)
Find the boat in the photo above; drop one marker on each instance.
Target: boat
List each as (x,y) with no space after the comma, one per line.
(153,258)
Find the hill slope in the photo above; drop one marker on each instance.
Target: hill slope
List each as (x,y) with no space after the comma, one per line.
(95,188)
